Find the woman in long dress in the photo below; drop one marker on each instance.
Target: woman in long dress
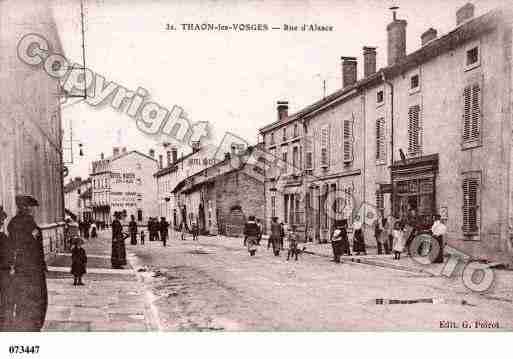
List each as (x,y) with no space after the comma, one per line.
(118,255)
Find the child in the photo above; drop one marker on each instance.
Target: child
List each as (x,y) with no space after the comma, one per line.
(142,237)
(292,239)
(78,262)
(398,235)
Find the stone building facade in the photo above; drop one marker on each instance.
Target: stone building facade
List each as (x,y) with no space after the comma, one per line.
(221,197)
(30,125)
(430,132)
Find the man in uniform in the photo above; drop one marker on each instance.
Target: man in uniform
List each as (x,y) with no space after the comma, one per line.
(30,292)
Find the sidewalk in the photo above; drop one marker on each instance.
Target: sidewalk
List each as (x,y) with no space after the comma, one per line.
(110,300)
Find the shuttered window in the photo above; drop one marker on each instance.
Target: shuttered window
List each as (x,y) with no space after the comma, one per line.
(380,201)
(325,138)
(308,153)
(284,158)
(471,200)
(414,131)
(380,139)
(348,140)
(472,113)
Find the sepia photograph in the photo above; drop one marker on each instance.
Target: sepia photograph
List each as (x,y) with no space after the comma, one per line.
(255,166)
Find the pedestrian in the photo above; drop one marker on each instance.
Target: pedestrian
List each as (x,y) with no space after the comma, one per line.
(358,237)
(259,224)
(29,267)
(282,234)
(251,233)
(292,241)
(94,230)
(156,229)
(399,239)
(383,236)
(183,230)
(195,231)
(163,227)
(132,229)
(142,237)
(275,237)
(149,225)
(388,229)
(6,277)
(78,262)
(337,240)
(413,228)
(87,226)
(118,254)
(438,230)
(378,230)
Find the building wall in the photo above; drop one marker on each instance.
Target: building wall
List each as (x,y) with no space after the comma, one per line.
(133,186)
(30,128)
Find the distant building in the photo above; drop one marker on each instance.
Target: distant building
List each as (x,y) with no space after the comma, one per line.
(173,171)
(124,183)
(30,125)
(219,198)
(72,200)
(85,211)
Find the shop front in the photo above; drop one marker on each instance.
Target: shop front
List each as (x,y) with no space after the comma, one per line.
(414,188)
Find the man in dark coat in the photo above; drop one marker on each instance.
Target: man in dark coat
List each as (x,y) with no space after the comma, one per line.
(163,227)
(6,277)
(275,237)
(132,229)
(78,262)
(118,255)
(30,291)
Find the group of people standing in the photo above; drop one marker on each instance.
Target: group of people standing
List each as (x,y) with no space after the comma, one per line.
(23,291)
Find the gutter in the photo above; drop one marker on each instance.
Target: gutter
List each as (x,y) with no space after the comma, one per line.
(383,77)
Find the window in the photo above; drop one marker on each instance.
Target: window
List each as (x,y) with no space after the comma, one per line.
(168,154)
(414,81)
(325,138)
(272,139)
(472,56)
(308,153)
(471,201)
(295,158)
(273,206)
(472,114)
(296,131)
(285,208)
(348,140)
(414,131)
(161,161)
(380,139)
(285,134)
(379,97)
(284,159)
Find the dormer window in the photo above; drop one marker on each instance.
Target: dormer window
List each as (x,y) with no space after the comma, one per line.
(414,82)
(472,56)
(379,97)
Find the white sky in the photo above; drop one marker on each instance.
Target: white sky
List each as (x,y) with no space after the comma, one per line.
(231,79)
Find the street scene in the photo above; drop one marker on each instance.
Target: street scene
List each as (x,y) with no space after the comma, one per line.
(252,202)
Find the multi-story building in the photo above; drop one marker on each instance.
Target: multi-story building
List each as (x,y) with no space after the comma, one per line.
(85,212)
(30,125)
(124,183)
(219,198)
(174,170)
(431,131)
(72,201)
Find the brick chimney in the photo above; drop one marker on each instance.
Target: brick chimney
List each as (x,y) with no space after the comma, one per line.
(115,151)
(152,153)
(428,36)
(283,110)
(348,71)
(369,61)
(396,32)
(464,13)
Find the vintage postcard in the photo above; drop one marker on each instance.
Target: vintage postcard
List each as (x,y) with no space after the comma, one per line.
(268,166)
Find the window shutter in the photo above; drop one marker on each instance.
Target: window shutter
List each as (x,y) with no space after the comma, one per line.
(380,139)
(471,206)
(476,112)
(348,140)
(325,137)
(414,131)
(308,153)
(467,118)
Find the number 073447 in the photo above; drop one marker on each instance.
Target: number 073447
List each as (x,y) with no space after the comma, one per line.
(23,349)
